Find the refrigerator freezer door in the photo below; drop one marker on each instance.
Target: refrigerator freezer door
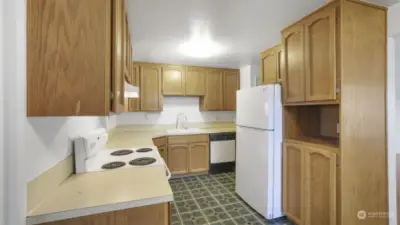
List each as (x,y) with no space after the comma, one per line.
(255,172)
(255,106)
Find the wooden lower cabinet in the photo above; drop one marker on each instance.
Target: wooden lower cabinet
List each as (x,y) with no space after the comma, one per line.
(319,187)
(188,154)
(309,184)
(158,214)
(293,182)
(163,152)
(177,159)
(199,157)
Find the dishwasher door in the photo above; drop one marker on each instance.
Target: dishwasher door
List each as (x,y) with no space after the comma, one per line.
(222,151)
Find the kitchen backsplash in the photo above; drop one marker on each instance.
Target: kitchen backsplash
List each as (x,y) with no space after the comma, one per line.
(172,107)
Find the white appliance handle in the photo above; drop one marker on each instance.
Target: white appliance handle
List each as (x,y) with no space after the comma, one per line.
(166,167)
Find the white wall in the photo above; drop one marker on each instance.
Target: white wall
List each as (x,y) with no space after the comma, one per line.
(14,14)
(46,140)
(393,20)
(32,145)
(111,121)
(249,76)
(2,168)
(393,99)
(172,107)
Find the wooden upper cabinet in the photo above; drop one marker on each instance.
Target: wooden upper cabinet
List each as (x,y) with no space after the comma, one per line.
(195,81)
(178,159)
(319,187)
(293,50)
(213,100)
(270,65)
(150,88)
(293,181)
(173,79)
(231,85)
(118,56)
(199,157)
(68,57)
(133,104)
(280,63)
(320,57)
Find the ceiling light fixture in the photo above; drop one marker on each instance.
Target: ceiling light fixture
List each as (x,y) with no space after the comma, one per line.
(200,44)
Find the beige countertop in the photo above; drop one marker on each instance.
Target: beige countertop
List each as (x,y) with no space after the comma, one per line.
(99,192)
(141,135)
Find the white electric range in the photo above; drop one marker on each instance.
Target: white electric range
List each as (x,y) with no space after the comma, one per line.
(92,155)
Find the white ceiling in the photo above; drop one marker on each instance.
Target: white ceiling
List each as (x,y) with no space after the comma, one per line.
(243,27)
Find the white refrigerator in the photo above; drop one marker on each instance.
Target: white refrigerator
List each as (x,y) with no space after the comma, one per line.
(259,149)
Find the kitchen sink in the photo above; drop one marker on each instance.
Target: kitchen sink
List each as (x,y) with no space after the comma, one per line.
(183,130)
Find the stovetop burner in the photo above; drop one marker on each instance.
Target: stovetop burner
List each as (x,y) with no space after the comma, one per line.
(142,161)
(113,165)
(144,150)
(121,152)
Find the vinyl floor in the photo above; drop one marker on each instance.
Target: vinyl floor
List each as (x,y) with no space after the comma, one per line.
(211,199)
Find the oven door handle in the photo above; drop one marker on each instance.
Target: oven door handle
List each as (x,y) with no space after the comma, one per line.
(166,168)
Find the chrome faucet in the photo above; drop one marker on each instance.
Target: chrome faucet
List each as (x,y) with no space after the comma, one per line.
(178,121)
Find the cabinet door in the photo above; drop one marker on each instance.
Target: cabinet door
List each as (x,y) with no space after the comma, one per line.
(319,187)
(231,85)
(118,56)
(280,59)
(67,55)
(133,104)
(199,157)
(292,40)
(156,214)
(269,66)
(195,81)
(293,182)
(150,88)
(173,79)
(213,100)
(178,159)
(163,152)
(320,57)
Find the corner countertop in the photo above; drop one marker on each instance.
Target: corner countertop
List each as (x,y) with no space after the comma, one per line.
(99,192)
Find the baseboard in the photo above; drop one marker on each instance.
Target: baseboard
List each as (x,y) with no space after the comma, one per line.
(222,167)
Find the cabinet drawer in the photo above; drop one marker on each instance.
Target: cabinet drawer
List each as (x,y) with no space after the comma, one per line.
(188,139)
(160,141)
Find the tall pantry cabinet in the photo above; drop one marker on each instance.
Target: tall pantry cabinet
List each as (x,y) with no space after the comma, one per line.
(334,85)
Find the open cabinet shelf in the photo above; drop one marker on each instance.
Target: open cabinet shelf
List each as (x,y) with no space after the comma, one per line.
(330,144)
(316,124)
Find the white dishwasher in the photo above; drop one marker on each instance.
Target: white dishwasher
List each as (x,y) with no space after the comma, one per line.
(222,152)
